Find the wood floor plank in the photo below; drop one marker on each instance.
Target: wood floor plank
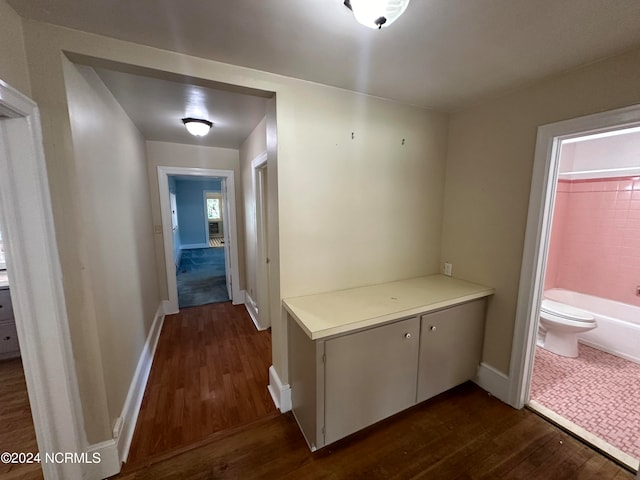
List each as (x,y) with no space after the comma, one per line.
(17,433)
(462,434)
(210,373)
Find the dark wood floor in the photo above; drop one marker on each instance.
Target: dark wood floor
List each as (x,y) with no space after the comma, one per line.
(209,374)
(462,434)
(16,424)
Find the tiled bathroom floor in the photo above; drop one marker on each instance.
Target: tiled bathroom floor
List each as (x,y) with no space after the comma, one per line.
(597,391)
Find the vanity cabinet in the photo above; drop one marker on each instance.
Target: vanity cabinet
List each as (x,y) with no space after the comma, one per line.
(348,372)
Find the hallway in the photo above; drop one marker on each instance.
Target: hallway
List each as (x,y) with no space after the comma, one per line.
(209,374)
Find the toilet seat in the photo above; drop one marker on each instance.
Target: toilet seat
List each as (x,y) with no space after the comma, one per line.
(564,311)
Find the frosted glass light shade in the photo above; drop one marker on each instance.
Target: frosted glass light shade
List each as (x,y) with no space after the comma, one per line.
(378,13)
(197,127)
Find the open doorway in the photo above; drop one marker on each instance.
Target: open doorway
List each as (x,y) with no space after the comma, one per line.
(202,260)
(37,298)
(579,287)
(210,273)
(15,409)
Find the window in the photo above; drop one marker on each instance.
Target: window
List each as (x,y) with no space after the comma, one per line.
(213,209)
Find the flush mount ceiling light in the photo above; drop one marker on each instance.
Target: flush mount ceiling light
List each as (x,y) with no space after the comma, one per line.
(376,13)
(197,126)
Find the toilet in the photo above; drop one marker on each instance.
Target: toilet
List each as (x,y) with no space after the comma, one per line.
(560,325)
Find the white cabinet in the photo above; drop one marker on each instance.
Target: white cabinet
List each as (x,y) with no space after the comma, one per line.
(343,383)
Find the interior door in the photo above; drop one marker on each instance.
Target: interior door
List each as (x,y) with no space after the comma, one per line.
(227,242)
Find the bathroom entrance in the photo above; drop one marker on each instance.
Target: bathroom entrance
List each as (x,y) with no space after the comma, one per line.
(581,367)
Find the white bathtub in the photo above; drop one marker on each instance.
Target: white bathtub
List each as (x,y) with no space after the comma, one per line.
(618,330)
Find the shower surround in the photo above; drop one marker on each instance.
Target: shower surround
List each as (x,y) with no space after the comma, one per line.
(594,246)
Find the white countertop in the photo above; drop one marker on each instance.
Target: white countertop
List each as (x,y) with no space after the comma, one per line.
(331,313)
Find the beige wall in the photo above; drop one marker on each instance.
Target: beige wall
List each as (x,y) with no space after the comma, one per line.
(116,221)
(167,154)
(254,145)
(357,211)
(13,63)
(350,212)
(488,179)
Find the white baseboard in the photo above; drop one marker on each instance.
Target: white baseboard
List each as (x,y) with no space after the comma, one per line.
(493,381)
(281,394)
(251,307)
(194,245)
(166,307)
(108,464)
(126,423)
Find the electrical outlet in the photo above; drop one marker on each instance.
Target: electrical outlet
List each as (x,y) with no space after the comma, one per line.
(448,267)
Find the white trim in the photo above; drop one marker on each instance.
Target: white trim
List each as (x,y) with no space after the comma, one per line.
(109,464)
(191,246)
(166,306)
(261,267)
(126,424)
(493,381)
(251,307)
(537,234)
(37,293)
(281,394)
(167,234)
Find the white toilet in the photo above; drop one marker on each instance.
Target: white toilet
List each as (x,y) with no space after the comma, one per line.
(561,324)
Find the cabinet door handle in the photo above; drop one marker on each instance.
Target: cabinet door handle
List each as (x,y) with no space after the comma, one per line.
(432,328)
(407,335)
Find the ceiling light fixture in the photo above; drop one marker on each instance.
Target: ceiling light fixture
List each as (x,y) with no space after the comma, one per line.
(197,126)
(376,13)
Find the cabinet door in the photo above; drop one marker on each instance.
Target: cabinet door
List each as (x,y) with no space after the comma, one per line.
(8,339)
(369,375)
(450,347)
(6,311)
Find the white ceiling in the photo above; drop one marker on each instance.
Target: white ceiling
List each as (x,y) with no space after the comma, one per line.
(442,54)
(156,107)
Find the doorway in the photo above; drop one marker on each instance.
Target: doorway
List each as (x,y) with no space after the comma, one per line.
(581,210)
(198,223)
(190,247)
(37,297)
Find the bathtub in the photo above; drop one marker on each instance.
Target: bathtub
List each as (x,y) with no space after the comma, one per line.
(618,330)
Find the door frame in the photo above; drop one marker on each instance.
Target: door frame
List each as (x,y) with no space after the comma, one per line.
(258,165)
(35,278)
(541,199)
(231,248)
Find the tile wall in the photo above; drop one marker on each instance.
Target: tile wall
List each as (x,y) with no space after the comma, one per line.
(595,238)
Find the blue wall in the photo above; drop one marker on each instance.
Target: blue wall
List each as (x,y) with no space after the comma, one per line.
(191,210)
